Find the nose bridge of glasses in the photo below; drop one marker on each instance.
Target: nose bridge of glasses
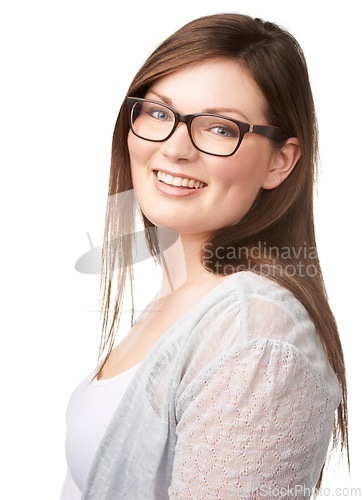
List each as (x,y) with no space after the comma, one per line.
(183,119)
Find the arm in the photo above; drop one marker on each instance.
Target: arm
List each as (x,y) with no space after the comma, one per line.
(255,420)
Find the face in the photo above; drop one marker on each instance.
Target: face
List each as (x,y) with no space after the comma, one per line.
(222,189)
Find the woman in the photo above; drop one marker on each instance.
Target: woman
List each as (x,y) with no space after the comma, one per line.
(232,382)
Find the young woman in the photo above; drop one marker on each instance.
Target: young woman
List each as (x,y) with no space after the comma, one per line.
(232,382)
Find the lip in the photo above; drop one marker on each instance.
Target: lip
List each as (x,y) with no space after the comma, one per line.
(175,191)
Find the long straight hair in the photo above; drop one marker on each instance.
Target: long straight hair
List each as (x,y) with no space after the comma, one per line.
(279,219)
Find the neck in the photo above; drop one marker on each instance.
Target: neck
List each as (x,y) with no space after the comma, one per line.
(181,261)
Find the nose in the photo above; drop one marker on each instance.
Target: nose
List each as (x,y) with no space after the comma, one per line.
(179,145)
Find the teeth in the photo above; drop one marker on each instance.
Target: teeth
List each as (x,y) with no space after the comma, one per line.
(179,181)
(168,179)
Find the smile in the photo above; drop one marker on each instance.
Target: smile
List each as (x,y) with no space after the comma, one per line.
(179,181)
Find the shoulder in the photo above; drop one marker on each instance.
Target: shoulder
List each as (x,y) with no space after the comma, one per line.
(250,286)
(261,305)
(248,308)
(247,285)
(268,305)
(268,311)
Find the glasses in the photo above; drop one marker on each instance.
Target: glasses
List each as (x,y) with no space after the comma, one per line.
(212,134)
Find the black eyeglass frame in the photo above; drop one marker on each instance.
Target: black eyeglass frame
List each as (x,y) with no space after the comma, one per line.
(269,131)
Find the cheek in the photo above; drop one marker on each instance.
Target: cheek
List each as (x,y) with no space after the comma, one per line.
(136,151)
(140,152)
(239,180)
(245,170)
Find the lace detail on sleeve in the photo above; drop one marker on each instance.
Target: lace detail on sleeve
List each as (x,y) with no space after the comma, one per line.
(255,420)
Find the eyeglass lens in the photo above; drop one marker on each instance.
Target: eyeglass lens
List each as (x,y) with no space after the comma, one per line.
(211,134)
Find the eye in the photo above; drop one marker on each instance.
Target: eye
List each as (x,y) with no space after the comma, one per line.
(224,131)
(160,114)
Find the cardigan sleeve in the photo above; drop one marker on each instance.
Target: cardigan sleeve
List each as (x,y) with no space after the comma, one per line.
(254,423)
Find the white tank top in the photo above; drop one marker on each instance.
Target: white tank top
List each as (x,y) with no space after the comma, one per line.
(90,409)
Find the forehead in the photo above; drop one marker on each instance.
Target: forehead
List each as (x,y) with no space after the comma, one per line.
(215,84)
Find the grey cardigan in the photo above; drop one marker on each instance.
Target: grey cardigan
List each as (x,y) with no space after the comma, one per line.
(236,398)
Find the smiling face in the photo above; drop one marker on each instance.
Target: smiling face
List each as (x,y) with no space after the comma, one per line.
(187,190)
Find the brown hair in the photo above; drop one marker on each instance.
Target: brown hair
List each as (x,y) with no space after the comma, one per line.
(280,218)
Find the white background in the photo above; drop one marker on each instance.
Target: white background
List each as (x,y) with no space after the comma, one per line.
(65,68)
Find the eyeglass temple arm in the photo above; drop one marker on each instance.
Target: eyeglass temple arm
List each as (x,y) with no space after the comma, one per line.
(268,131)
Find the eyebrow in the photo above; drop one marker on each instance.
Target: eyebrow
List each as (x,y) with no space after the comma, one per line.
(213,111)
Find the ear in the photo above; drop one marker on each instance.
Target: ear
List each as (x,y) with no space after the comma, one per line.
(283,162)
